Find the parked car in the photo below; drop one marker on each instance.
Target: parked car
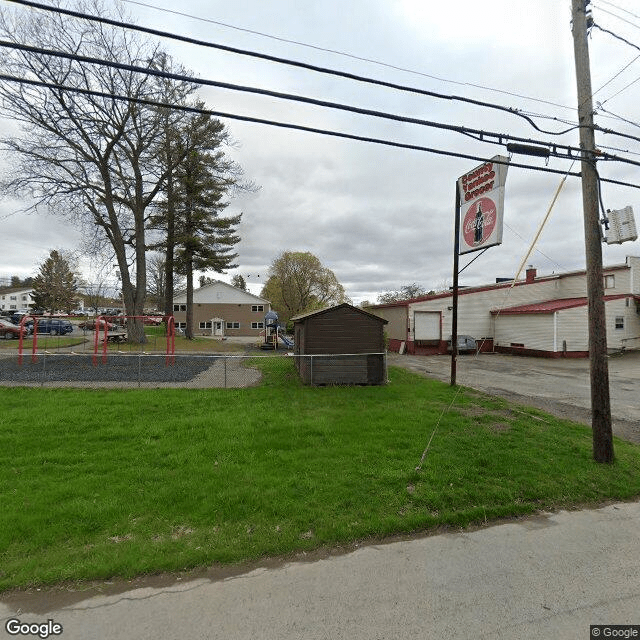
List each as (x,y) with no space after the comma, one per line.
(53,326)
(17,316)
(9,331)
(466,344)
(90,325)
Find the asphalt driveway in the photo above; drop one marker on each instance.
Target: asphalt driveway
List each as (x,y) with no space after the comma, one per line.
(559,386)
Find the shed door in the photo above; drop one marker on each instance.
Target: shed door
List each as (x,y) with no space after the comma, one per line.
(426,325)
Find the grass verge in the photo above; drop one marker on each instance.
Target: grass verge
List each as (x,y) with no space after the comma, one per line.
(97,484)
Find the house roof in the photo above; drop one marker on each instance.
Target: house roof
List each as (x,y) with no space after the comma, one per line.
(319,312)
(224,288)
(551,306)
(15,290)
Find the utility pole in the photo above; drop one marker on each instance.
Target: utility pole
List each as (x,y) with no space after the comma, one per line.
(599,368)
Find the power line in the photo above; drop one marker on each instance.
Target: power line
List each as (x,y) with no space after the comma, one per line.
(294,63)
(611,13)
(296,127)
(626,66)
(616,36)
(557,150)
(621,90)
(615,6)
(512,111)
(350,55)
(618,117)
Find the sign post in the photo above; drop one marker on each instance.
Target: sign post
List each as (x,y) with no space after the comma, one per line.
(478,224)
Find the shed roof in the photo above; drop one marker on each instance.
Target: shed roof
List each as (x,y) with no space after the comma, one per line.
(304,316)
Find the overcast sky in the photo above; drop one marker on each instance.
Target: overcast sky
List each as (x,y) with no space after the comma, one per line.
(381,217)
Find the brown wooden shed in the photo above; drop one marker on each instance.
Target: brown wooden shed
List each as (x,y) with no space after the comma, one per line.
(340,345)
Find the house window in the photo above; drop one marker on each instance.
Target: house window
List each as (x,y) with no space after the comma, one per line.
(257,307)
(13,298)
(233,325)
(609,282)
(179,307)
(205,325)
(619,322)
(257,325)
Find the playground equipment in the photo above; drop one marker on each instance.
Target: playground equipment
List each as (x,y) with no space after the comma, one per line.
(272,332)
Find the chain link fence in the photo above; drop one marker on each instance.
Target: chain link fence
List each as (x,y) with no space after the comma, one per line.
(197,371)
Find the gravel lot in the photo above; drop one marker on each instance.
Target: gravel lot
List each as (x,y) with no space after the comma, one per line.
(128,370)
(558,386)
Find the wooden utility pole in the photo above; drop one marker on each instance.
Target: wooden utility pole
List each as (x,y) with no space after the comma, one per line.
(456,266)
(599,368)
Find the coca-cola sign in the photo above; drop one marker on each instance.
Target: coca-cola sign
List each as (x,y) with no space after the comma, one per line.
(479,222)
(482,203)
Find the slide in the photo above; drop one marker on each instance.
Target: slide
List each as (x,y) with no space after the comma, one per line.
(287,342)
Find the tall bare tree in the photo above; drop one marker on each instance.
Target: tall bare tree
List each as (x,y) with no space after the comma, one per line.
(86,155)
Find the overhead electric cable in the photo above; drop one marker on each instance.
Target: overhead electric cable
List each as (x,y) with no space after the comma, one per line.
(615,35)
(555,149)
(294,63)
(615,6)
(618,117)
(626,66)
(611,13)
(296,127)
(349,55)
(617,93)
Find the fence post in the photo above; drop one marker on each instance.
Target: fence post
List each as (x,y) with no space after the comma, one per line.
(44,367)
(311,372)
(139,370)
(225,372)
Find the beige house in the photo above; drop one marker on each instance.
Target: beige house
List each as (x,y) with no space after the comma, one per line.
(540,315)
(222,310)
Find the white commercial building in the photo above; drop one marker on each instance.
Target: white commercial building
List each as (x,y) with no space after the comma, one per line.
(540,315)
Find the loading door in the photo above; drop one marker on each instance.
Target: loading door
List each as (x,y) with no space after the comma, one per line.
(426,325)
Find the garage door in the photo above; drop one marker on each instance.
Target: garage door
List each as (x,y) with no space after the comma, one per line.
(426,325)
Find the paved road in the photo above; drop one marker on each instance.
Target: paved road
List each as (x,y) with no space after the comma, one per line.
(560,386)
(546,576)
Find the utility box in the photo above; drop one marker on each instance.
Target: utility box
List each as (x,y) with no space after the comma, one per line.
(622,226)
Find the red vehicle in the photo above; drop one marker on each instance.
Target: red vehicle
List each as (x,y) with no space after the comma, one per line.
(9,331)
(90,325)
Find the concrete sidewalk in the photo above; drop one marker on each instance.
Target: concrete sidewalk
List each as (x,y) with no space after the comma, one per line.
(547,576)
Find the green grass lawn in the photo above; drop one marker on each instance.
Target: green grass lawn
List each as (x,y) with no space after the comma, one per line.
(97,484)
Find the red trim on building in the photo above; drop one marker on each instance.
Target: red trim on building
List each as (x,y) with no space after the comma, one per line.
(551,306)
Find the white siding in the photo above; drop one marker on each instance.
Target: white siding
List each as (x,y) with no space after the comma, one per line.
(629,336)
(573,328)
(532,331)
(474,317)
(634,277)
